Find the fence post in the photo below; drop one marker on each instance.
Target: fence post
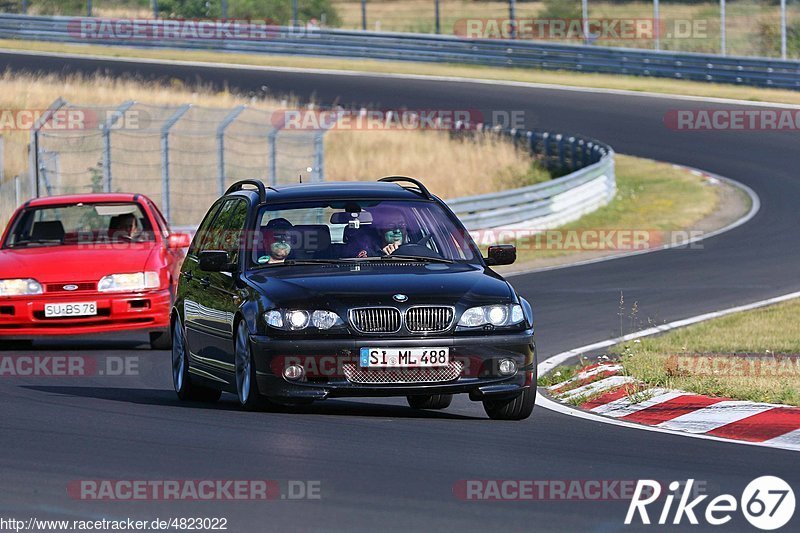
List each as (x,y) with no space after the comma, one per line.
(155,9)
(656,26)
(722,23)
(319,156)
(165,200)
(106,128)
(783,29)
(438,19)
(512,14)
(33,148)
(230,117)
(17,191)
(88,8)
(272,140)
(2,158)
(364,15)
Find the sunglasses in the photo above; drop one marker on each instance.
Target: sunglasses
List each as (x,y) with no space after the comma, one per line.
(395,226)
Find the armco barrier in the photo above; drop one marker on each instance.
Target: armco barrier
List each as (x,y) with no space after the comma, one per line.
(590,184)
(764,72)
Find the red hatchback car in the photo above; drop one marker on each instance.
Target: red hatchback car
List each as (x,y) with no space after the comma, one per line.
(90,263)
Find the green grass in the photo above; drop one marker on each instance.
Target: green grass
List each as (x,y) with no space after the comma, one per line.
(650,196)
(562,373)
(666,360)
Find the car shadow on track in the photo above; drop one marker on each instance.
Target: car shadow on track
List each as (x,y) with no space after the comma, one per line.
(166,398)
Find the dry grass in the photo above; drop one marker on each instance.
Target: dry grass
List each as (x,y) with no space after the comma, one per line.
(452,167)
(449,167)
(770,331)
(577,79)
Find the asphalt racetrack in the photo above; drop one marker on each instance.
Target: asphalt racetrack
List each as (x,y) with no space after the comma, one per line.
(380,464)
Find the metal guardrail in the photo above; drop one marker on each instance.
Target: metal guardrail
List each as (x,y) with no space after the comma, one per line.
(766,72)
(590,184)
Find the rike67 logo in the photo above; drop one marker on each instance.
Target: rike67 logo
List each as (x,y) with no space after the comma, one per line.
(767,503)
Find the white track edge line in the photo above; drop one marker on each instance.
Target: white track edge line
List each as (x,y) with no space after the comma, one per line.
(551,363)
(423,77)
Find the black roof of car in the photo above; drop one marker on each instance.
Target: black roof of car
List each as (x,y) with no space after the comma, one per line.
(337,190)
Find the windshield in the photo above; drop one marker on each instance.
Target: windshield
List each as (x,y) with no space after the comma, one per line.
(84,223)
(360,230)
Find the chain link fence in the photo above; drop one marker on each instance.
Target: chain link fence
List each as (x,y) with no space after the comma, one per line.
(182,157)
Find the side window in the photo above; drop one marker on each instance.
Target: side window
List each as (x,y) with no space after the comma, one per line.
(231,240)
(203,234)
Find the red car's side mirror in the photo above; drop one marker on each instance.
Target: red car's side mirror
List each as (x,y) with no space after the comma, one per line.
(176,241)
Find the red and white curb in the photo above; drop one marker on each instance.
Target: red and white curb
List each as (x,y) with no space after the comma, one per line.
(620,400)
(622,397)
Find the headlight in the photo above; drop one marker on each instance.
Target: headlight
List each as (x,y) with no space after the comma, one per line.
(138,281)
(297,319)
(496,315)
(19,287)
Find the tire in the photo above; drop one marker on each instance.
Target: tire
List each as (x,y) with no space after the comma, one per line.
(181,379)
(430,401)
(246,384)
(518,408)
(160,340)
(19,344)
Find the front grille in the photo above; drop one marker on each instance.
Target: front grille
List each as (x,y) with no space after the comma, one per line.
(59,287)
(429,319)
(356,374)
(375,319)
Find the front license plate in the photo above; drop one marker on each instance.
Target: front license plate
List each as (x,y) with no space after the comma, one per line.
(404,357)
(71,309)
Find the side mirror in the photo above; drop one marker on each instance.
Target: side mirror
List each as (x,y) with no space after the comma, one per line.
(501,254)
(214,261)
(176,241)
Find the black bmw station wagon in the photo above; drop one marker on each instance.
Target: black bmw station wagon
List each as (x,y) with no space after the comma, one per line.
(305,292)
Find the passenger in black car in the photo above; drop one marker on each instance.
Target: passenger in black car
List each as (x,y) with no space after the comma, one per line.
(276,242)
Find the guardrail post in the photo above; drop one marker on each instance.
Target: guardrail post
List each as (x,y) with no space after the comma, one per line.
(230,117)
(165,191)
(106,128)
(34,149)
(560,139)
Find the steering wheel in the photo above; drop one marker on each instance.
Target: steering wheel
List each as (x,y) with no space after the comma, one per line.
(423,241)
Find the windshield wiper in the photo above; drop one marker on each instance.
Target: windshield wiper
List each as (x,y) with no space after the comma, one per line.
(416,258)
(36,241)
(292,262)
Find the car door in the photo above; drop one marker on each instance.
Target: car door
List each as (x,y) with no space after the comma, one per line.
(191,289)
(219,288)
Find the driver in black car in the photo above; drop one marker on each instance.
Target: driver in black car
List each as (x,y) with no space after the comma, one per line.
(392,227)
(386,234)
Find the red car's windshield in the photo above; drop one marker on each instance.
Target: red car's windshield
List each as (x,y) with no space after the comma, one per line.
(80,224)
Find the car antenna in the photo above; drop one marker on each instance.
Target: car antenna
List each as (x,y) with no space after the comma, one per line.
(300,175)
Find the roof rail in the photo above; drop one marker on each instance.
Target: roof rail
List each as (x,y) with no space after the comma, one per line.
(420,188)
(239,185)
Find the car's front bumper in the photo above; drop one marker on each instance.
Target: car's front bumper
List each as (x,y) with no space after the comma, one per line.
(24,316)
(324,360)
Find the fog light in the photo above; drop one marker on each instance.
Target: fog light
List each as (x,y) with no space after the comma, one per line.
(507,367)
(294,372)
